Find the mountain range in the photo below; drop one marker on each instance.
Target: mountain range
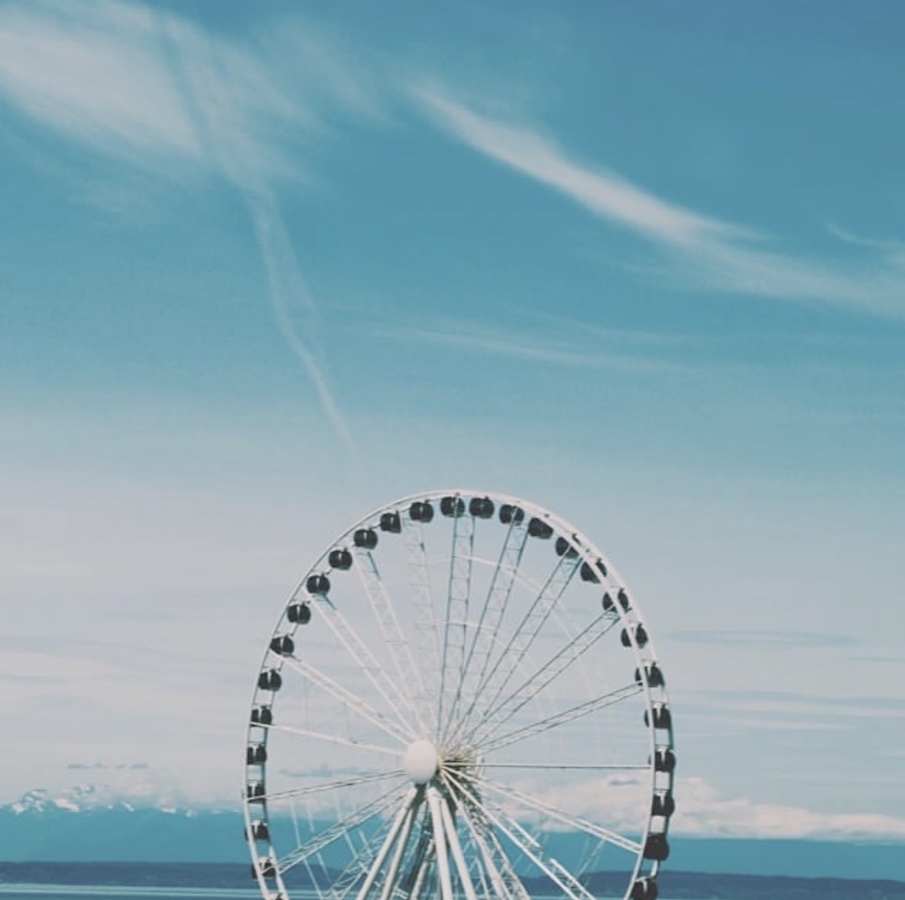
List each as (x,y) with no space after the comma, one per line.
(90,824)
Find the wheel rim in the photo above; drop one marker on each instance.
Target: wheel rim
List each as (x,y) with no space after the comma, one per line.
(461,698)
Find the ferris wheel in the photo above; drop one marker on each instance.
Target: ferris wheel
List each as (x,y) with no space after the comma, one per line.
(460,699)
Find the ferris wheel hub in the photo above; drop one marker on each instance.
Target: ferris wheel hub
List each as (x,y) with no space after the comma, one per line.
(420,761)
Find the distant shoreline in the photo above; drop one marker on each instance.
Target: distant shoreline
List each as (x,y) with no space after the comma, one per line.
(151,878)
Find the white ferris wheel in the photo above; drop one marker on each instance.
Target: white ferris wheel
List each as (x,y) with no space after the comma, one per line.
(460,699)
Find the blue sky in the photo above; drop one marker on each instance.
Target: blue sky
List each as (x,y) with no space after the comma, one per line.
(263,269)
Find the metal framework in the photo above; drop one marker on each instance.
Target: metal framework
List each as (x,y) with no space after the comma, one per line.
(480,713)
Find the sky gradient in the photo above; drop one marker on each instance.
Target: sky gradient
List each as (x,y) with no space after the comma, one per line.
(262,270)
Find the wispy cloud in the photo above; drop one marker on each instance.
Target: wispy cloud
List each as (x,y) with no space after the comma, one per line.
(96,74)
(697,249)
(603,193)
(760,639)
(142,86)
(145,87)
(544,348)
(289,291)
(702,812)
(846,710)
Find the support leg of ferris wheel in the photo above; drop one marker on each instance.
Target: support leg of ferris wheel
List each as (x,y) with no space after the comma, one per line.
(434,800)
(505,883)
(387,845)
(455,847)
(401,844)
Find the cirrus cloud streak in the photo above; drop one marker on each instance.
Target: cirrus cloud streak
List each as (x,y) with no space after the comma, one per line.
(692,248)
(149,89)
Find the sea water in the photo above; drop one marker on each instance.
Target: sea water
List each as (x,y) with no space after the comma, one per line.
(113,892)
(102,892)
(181,881)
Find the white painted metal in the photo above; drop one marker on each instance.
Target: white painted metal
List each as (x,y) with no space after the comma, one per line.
(406,671)
(442,746)
(455,632)
(388,843)
(441,845)
(452,840)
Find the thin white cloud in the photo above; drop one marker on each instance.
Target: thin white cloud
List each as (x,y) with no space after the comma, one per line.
(602,192)
(896,248)
(838,708)
(761,638)
(702,812)
(699,250)
(150,89)
(135,784)
(287,285)
(543,349)
(96,74)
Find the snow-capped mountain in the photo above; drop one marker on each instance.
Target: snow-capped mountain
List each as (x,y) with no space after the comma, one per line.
(109,823)
(86,797)
(74,799)
(128,787)
(103,822)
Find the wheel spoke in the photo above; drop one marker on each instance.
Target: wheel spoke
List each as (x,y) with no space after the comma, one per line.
(525,634)
(346,697)
(294,793)
(343,884)
(575,822)
(551,867)
(502,582)
(426,627)
(561,718)
(333,739)
(506,884)
(503,711)
(454,633)
(361,860)
(531,848)
(338,830)
(367,663)
(408,674)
